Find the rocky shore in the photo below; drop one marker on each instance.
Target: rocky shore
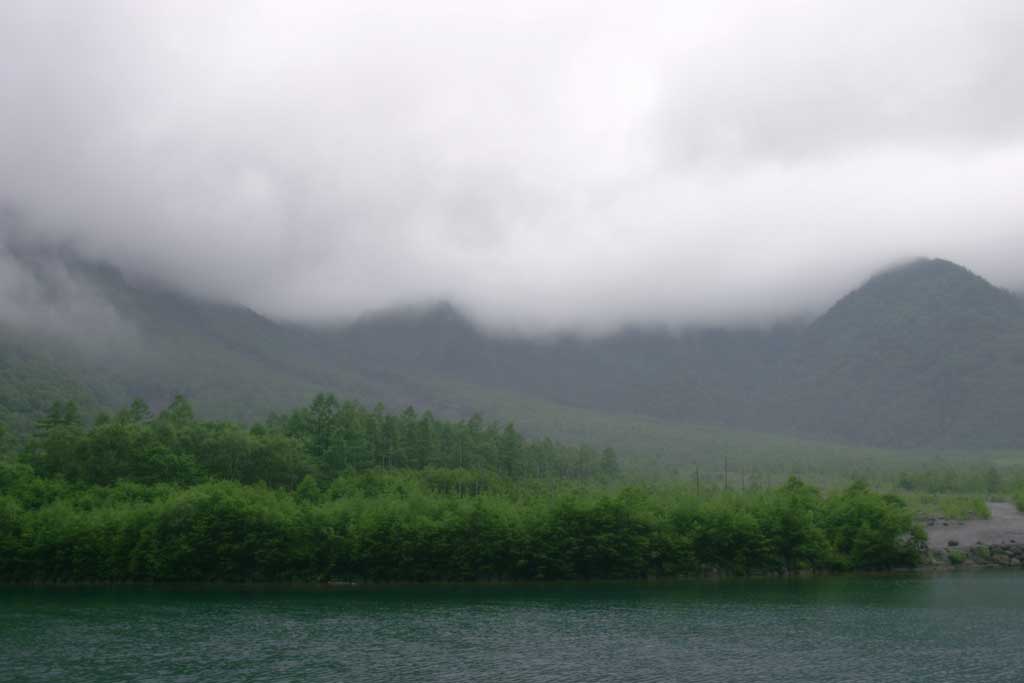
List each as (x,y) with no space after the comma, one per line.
(995,542)
(978,555)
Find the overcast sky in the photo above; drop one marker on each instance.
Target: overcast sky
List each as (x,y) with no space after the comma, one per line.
(544,165)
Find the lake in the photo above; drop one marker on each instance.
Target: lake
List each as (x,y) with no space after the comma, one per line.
(965,626)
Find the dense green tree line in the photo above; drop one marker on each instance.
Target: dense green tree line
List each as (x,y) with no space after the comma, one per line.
(391,526)
(321,440)
(334,491)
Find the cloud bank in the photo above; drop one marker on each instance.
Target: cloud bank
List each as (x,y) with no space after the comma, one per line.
(545,166)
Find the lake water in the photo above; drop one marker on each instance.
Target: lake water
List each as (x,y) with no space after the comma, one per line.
(957,627)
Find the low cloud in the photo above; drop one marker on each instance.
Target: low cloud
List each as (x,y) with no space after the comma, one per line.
(39,294)
(545,166)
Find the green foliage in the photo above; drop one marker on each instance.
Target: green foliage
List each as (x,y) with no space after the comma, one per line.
(402,525)
(962,477)
(336,491)
(863,525)
(320,441)
(948,506)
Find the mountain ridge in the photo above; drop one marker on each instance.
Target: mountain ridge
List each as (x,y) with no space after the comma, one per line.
(926,354)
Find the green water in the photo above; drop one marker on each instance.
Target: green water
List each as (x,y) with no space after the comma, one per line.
(957,627)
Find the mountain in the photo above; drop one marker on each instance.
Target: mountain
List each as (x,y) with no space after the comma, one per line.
(924,355)
(927,355)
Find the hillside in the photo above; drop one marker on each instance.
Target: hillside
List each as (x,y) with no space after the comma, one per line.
(925,355)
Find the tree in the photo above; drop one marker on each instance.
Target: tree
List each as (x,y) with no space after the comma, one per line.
(358,443)
(322,426)
(55,440)
(137,412)
(424,444)
(179,413)
(60,414)
(307,490)
(510,450)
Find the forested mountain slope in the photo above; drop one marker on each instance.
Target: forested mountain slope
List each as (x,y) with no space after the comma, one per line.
(925,355)
(928,354)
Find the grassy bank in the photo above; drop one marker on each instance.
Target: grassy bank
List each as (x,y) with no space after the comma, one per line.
(947,506)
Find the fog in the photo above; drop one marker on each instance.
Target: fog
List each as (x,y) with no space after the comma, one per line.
(42,295)
(545,166)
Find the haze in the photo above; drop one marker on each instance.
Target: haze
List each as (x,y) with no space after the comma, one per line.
(545,166)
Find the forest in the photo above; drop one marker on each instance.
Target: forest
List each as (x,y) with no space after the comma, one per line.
(320,441)
(336,492)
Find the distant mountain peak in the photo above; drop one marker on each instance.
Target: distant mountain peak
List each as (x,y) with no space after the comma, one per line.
(927,269)
(924,289)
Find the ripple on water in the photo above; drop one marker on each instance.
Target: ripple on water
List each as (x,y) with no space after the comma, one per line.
(961,627)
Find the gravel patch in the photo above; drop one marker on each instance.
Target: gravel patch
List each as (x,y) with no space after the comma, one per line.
(1006,527)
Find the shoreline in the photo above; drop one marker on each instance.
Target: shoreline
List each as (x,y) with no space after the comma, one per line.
(923,570)
(994,542)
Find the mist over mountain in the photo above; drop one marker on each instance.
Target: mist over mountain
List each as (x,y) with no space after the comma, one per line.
(548,168)
(630,219)
(923,355)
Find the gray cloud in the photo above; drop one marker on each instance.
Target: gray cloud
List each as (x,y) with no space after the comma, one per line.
(549,165)
(39,294)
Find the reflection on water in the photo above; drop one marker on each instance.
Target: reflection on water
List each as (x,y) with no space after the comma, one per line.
(957,627)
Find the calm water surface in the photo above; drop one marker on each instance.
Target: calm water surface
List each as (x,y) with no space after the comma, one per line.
(957,627)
